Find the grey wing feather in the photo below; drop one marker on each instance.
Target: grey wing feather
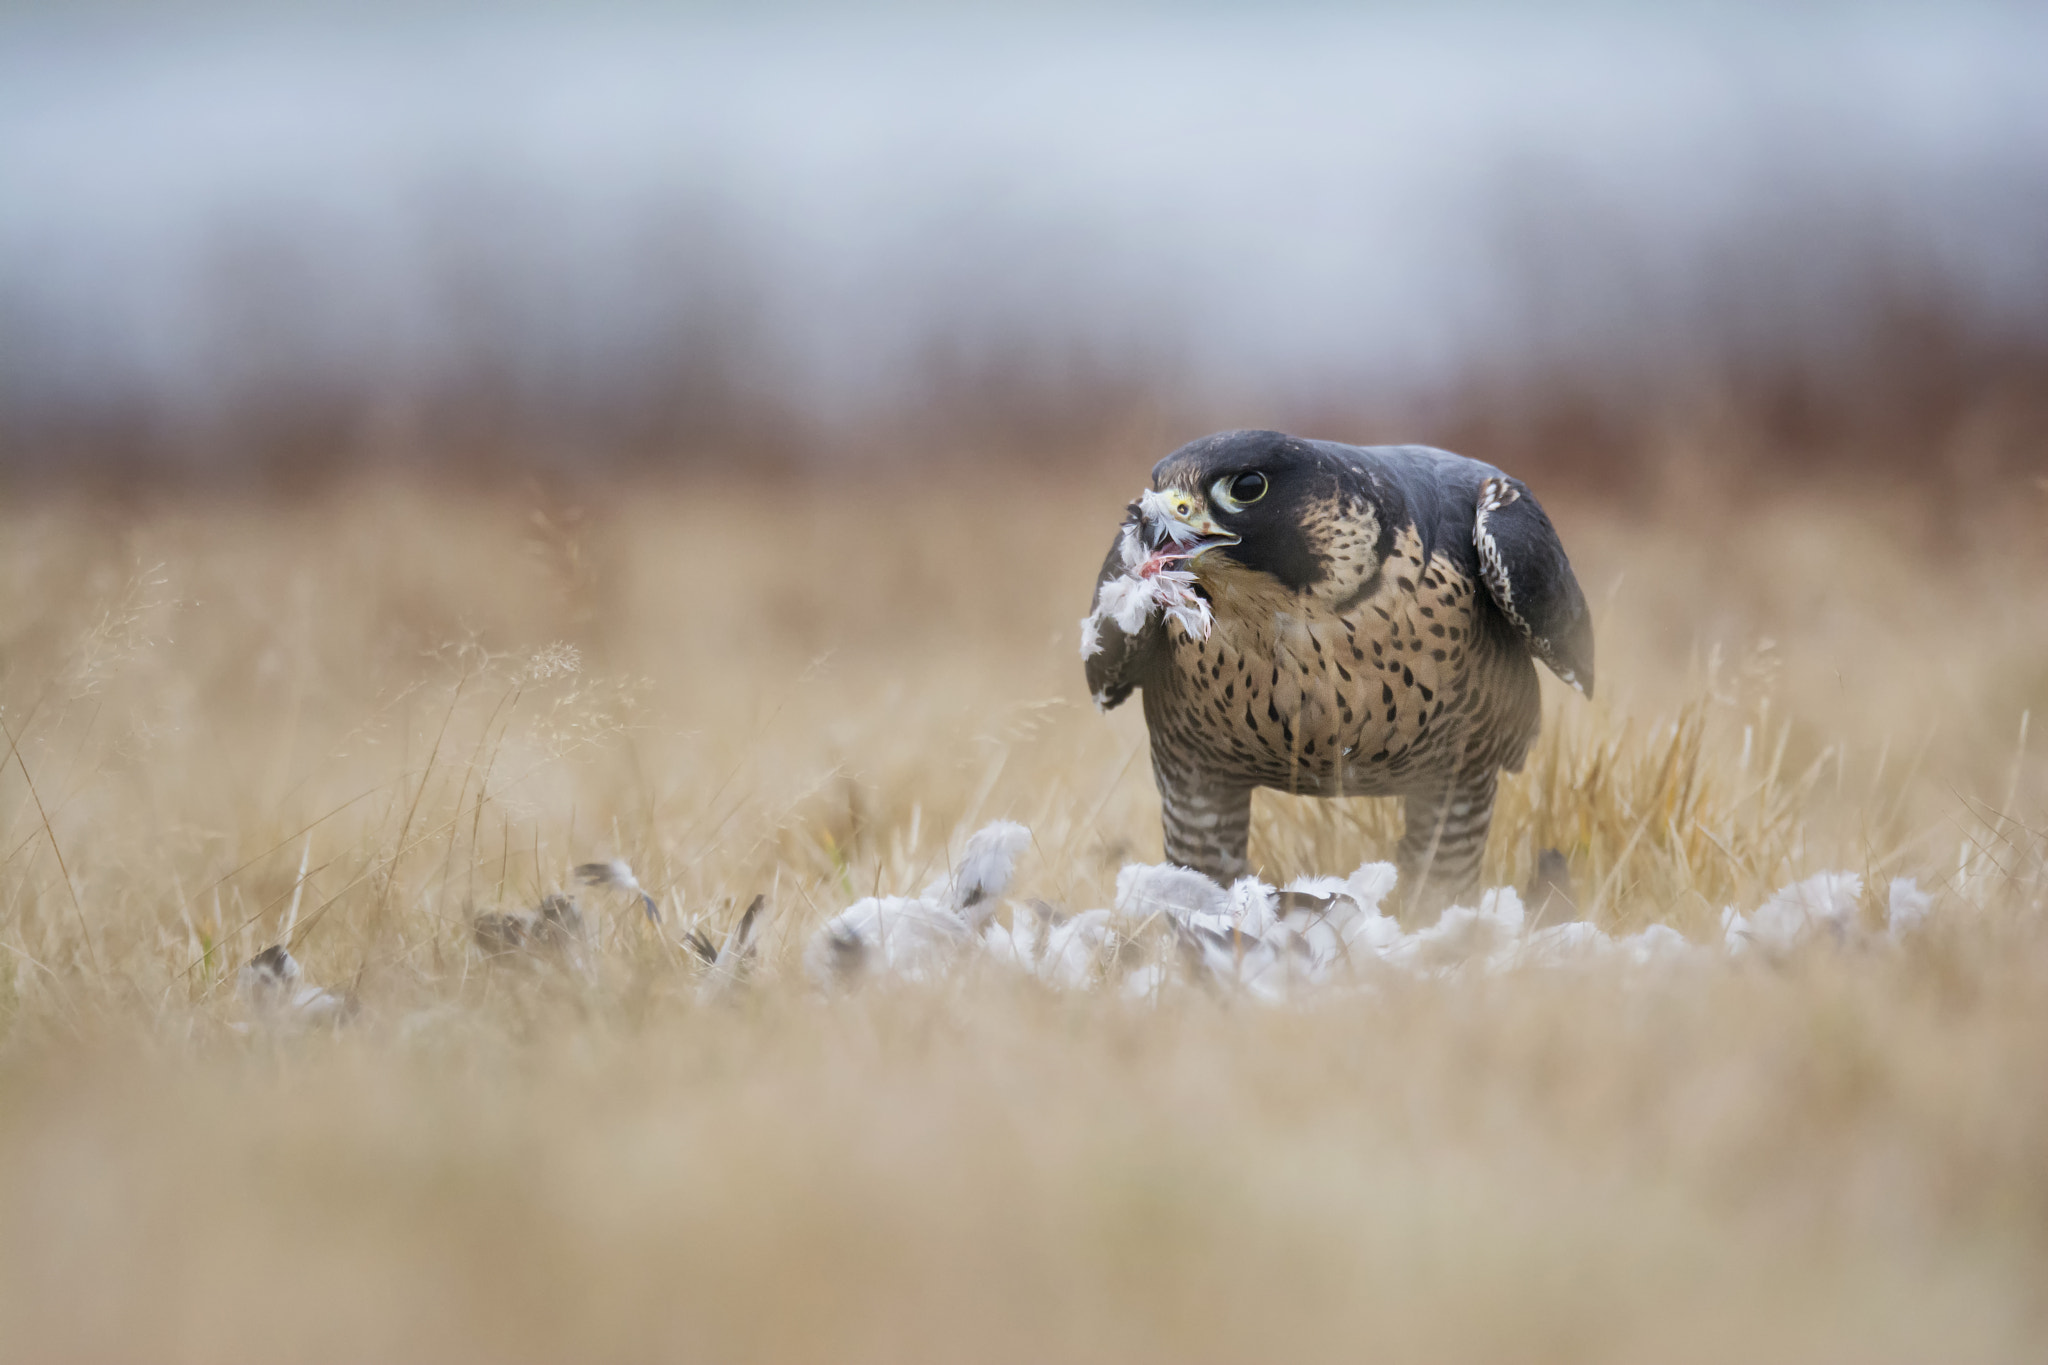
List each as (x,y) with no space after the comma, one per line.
(1525,569)
(1120,661)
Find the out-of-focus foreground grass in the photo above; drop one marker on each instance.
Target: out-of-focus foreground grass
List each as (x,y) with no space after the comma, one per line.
(437,704)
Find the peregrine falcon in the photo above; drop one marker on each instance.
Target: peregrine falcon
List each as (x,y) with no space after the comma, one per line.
(1335,620)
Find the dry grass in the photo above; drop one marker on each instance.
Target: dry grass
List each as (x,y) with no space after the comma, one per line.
(440,704)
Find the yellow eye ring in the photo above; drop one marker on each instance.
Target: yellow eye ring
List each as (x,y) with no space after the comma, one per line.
(1235,492)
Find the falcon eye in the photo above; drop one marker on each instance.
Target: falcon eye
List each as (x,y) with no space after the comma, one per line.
(1235,492)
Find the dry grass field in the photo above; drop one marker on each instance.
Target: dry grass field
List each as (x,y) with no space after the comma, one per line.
(438,703)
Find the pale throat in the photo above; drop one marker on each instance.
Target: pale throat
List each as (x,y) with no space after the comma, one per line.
(1344,539)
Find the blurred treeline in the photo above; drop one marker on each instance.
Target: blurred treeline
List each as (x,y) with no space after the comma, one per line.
(1913,390)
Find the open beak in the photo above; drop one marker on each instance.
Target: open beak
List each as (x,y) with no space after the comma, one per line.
(1173,529)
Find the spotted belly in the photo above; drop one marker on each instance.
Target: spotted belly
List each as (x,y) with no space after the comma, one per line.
(1376,697)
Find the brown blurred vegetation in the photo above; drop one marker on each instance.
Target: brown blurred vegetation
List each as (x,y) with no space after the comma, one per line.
(1903,387)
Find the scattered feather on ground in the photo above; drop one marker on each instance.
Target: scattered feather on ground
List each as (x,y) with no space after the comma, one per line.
(1171,924)
(732,964)
(273,988)
(618,874)
(555,926)
(913,937)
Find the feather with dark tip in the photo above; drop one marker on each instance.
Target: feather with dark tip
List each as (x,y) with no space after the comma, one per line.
(1302,902)
(1549,897)
(553,926)
(618,873)
(735,960)
(739,944)
(847,957)
(274,988)
(500,933)
(274,963)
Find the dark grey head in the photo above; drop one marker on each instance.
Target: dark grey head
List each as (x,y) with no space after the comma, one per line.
(1267,502)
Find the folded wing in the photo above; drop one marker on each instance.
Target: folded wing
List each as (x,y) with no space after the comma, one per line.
(1525,569)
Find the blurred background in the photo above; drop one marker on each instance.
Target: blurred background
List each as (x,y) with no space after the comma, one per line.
(1603,244)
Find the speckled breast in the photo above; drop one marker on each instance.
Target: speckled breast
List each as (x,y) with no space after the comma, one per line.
(1415,676)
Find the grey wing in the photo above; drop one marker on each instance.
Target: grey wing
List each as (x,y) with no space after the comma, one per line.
(1116,662)
(1525,569)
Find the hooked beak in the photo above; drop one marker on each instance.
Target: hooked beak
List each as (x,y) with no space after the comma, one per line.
(1173,529)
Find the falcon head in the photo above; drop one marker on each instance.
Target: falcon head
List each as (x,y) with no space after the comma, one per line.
(1248,501)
